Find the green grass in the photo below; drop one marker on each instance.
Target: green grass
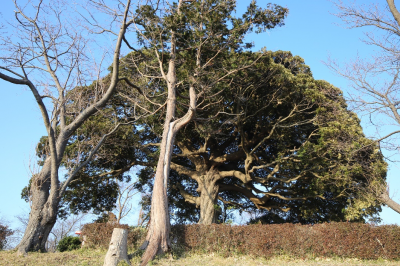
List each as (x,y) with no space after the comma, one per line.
(94,257)
(76,257)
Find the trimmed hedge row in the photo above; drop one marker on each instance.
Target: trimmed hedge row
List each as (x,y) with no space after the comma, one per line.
(347,240)
(98,235)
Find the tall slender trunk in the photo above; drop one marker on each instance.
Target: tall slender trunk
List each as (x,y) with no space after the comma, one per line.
(157,239)
(208,198)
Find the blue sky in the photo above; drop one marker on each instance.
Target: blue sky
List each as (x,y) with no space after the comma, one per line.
(311,31)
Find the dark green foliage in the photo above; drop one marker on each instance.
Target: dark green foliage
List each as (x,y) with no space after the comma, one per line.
(321,142)
(272,115)
(69,243)
(102,218)
(96,194)
(223,34)
(218,23)
(285,120)
(90,194)
(96,187)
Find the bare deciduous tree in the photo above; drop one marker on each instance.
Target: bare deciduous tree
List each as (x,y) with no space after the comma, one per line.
(48,50)
(125,194)
(375,80)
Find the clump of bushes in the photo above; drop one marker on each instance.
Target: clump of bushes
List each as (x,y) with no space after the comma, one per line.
(5,232)
(69,243)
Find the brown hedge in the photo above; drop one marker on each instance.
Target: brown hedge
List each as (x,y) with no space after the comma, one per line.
(347,240)
(98,235)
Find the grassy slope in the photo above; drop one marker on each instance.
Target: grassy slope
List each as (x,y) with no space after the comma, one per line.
(96,257)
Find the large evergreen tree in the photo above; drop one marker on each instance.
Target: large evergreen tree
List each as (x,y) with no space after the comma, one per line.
(186,45)
(283,142)
(274,139)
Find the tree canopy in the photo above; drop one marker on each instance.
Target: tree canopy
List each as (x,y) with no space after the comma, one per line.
(282,142)
(274,139)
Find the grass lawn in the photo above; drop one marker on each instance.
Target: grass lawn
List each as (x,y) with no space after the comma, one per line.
(96,258)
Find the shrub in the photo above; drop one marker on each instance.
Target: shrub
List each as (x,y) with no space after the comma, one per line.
(69,243)
(4,234)
(345,240)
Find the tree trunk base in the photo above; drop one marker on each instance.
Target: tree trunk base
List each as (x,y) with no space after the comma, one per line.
(118,250)
(21,253)
(36,232)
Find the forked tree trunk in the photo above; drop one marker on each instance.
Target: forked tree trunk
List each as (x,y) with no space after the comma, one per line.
(118,250)
(157,239)
(208,198)
(42,217)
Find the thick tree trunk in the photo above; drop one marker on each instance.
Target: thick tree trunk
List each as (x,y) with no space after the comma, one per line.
(208,199)
(45,188)
(118,250)
(43,214)
(41,222)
